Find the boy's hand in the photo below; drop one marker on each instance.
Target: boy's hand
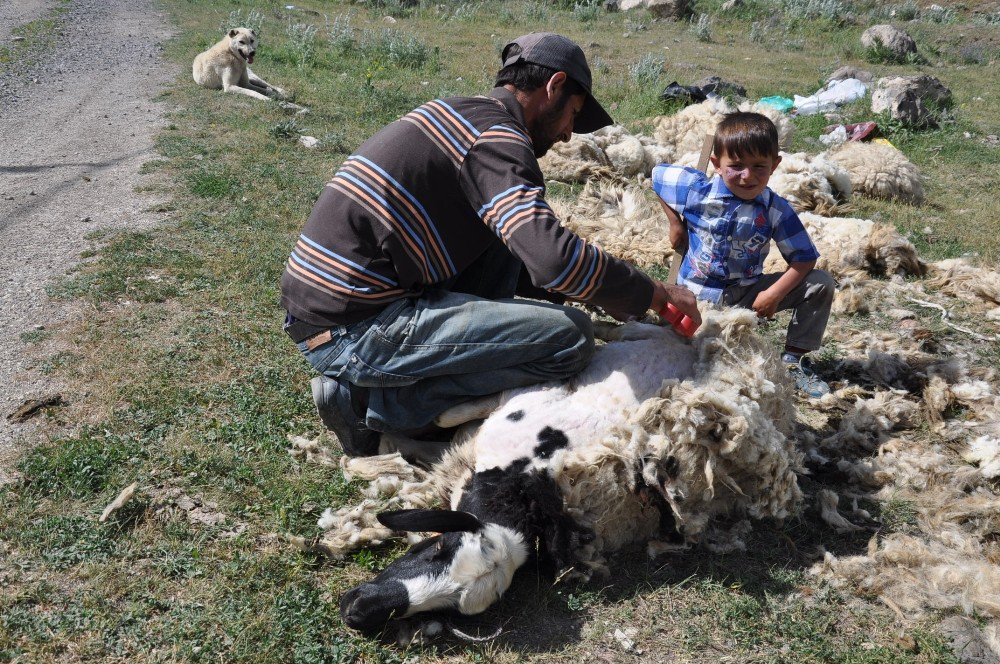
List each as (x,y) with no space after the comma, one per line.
(766,303)
(679,296)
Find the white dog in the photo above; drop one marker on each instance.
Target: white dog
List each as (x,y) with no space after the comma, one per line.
(225,66)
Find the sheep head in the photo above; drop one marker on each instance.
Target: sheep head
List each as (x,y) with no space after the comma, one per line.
(464,569)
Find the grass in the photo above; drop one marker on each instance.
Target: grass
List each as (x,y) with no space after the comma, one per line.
(184,382)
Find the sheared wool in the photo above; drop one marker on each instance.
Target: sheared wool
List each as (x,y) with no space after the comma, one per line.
(827,501)
(630,154)
(856,248)
(622,219)
(914,574)
(984,451)
(684,132)
(807,182)
(879,171)
(724,428)
(956,277)
(610,152)
(811,182)
(576,160)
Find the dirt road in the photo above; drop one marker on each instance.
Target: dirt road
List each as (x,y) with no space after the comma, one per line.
(76,123)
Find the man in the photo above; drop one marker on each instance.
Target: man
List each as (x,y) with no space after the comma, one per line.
(400,289)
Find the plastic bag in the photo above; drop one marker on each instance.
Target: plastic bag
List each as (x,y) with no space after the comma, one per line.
(833,95)
(783,104)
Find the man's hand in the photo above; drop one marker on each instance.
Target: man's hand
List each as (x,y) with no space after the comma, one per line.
(766,303)
(679,296)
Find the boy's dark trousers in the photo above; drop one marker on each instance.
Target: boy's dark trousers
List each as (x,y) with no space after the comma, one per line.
(810,301)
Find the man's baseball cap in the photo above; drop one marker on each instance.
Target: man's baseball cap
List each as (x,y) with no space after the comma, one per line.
(560,54)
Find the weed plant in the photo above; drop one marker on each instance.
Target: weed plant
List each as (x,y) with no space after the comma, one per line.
(702,28)
(587,11)
(647,71)
(238,18)
(302,43)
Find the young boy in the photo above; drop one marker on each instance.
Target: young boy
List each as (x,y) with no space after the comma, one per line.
(726,224)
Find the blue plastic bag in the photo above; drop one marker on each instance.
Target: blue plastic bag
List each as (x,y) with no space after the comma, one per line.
(783,104)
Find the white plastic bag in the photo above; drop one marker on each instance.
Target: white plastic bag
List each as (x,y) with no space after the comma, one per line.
(833,95)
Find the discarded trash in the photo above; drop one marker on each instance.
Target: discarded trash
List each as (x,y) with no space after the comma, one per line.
(858,131)
(123,497)
(830,97)
(836,137)
(711,86)
(783,104)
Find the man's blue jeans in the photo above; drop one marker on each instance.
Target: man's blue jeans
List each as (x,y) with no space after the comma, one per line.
(421,356)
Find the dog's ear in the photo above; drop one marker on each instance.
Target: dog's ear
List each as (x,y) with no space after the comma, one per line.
(253,32)
(233,32)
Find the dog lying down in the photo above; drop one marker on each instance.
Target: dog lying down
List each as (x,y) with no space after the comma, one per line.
(226,66)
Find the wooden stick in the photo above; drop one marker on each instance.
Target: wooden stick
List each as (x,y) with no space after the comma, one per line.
(675,261)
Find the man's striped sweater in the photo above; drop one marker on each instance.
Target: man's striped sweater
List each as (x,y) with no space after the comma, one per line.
(423,198)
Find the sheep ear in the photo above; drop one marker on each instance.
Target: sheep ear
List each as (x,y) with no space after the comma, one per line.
(434,521)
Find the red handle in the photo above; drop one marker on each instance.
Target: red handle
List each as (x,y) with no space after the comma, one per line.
(684,324)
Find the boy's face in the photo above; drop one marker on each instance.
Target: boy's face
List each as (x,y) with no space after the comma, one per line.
(746,175)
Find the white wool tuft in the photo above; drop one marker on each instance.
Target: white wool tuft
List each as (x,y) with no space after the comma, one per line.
(621,219)
(985,452)
(879,170)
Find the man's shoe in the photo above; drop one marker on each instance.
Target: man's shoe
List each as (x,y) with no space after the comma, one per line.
(342,407)
(807,381)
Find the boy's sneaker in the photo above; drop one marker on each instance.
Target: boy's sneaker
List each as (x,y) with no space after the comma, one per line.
(342,407)
(807,381)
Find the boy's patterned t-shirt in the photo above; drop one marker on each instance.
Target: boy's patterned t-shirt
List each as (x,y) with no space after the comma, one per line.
(728,238)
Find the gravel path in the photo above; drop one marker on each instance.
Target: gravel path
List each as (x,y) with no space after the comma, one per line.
(76,123)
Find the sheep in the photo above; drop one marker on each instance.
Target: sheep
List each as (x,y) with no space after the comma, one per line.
(658,438)
(879,171)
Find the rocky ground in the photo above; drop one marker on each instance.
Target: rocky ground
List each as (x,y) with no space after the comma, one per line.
(77,120)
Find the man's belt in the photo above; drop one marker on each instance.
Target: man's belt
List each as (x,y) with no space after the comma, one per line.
(314,335)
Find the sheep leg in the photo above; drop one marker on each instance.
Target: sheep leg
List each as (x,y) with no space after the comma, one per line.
(652,486)
(422,452)
(477,409)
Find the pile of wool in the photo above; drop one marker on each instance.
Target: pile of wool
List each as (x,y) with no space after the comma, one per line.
(722,431)
(949,558)
(684,132)
(621,218)
(807,182)
(608,152)
(576,160)
(728,429)
(857,248)
(894,443)
(956,277)
(879,171)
